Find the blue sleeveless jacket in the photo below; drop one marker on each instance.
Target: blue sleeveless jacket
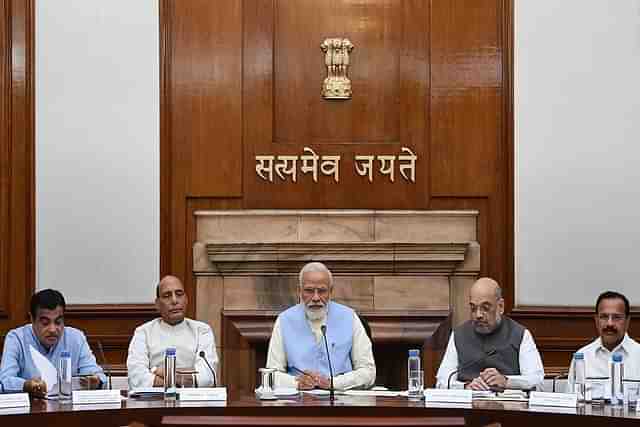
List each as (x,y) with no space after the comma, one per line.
(301,348)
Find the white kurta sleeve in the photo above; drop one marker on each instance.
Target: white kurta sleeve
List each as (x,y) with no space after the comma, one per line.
(531,369)
(277,359)
(363,374)
(138,370)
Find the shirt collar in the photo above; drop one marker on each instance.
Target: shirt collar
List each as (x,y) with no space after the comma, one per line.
(623,347)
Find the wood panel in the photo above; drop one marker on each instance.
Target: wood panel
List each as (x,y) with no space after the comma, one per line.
(5,80)
(200,110)
(17,226)
(282,79)
(465,137)
(467,43)
(301,116)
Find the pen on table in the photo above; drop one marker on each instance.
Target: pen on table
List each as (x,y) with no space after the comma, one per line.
(300,371)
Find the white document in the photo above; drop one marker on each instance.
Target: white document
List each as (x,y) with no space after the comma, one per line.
(565,400)
(48,372)
(84,397)
(375,393)
(448,395)
(202,394)
(14,400)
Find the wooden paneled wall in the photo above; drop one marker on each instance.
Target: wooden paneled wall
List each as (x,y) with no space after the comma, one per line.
(17,213)
(243,77)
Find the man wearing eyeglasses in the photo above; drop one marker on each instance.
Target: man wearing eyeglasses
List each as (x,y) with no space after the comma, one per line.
(490,351)
(297,350)
(612,321)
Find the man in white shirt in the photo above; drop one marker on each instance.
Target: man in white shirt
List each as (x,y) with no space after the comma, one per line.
(612,322)
(194,342)
(490,351)
(297,349)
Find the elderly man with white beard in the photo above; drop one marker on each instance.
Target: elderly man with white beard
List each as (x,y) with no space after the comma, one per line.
(297,350)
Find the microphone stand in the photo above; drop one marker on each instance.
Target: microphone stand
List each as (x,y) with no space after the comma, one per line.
(326,345)
(215,378)
(104,362)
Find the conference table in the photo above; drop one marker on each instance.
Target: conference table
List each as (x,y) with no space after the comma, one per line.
(308,410)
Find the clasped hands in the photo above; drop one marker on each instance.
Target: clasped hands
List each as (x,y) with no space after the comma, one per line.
(488,379)
(311,379)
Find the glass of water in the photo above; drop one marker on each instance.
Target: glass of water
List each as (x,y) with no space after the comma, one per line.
(631,391)
(595,390)
(416,385)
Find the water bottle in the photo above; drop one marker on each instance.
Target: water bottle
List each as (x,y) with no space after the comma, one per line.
(64,376)
(170,373)
(579,376)
(414,375)
(617,374)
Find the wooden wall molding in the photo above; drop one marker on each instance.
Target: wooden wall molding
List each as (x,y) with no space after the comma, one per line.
(17,160)
(106,311)
(341,258)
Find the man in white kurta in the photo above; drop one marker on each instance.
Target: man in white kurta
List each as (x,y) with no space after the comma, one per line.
(612,322)
(190,338)
(316,285)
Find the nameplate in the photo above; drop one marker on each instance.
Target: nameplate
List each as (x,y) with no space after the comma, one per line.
(90,397)
(563,400)
(447,395)
(14,400)
(205,393)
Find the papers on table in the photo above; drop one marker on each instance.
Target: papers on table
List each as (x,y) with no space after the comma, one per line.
(202,394)
(14,400)
(317,392)
(48,372)
(507,395)
(566,400)
(88,397)
(447,395)
(147,392)
(373,393)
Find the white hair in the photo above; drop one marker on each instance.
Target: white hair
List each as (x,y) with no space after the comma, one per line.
(313,267)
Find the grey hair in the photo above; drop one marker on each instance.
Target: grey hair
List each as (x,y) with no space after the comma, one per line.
(314,267)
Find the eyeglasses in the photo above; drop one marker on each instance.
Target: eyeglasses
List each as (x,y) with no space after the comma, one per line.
(613,317)
(480,308)
(311,291)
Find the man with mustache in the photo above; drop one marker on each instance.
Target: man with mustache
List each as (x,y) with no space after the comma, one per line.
(297,349)
(612,322)
(490,351)
(47,335)
(145,362)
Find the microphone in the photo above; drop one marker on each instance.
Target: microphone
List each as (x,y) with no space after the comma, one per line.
(215,378)
(323,328)
(471,363)
(104,363)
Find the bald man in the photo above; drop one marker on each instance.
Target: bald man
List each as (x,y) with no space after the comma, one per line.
(490,351)
(190,338)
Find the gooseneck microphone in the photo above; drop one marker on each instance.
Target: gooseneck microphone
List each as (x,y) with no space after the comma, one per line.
(215,378)
(487,355)
(104,363)
(323,328)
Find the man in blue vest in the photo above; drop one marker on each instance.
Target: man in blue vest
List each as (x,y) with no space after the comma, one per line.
(297,350)
(490,351)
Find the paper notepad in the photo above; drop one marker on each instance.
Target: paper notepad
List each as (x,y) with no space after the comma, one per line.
(48,372)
